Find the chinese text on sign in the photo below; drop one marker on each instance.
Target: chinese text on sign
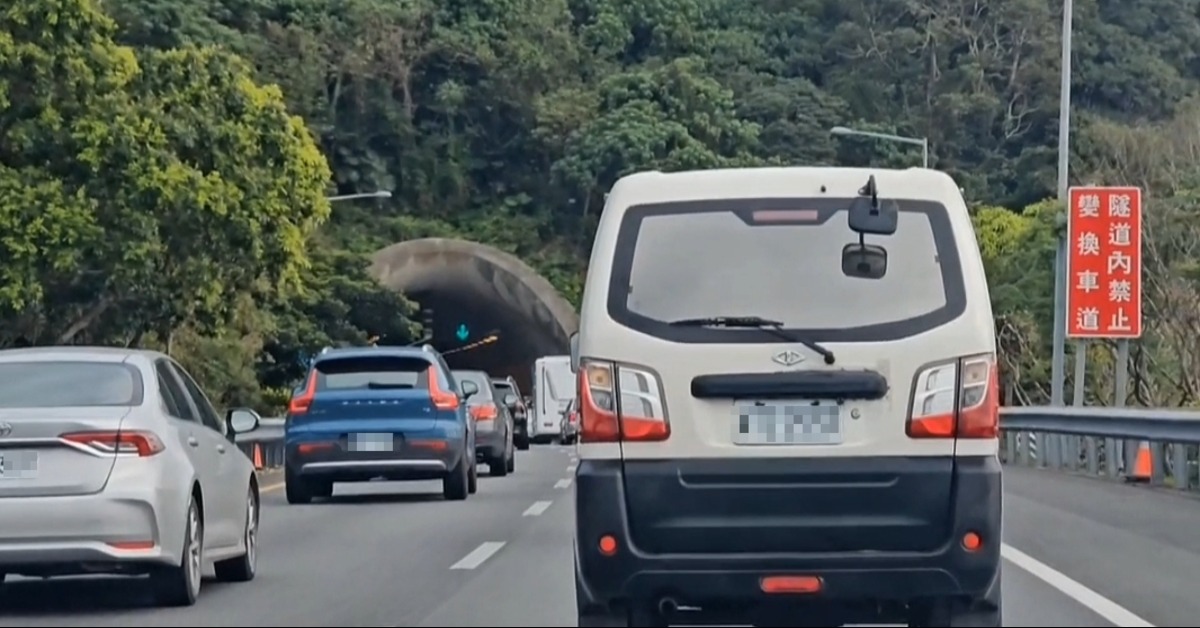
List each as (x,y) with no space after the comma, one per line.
(1104,268)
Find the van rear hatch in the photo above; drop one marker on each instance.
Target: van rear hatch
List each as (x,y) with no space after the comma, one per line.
(772,447)
(60,424)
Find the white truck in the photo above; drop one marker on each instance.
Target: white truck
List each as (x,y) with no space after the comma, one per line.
(553,388)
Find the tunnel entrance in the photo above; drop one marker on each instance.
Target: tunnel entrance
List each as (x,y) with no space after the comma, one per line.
(482,290)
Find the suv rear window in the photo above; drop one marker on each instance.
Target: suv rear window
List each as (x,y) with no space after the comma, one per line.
(364,372)
(700,259)
(69,384)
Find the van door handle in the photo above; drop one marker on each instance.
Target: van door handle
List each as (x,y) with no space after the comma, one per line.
(221,448)
(192,442)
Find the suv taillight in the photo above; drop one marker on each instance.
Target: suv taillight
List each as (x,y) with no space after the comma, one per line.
(620,402)
(956,399)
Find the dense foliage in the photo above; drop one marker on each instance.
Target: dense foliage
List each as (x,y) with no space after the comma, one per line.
(157,191)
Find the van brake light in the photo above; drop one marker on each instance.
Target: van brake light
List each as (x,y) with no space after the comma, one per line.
(956,399)
(620,402)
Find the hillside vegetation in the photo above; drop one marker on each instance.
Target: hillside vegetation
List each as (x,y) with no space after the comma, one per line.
(163,163)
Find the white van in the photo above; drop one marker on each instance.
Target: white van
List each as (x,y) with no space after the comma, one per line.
(553,389)
(789,404)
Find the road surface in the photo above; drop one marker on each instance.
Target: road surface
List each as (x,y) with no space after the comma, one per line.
(1080,552)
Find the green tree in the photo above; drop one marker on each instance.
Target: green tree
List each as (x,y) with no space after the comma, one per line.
(140,196)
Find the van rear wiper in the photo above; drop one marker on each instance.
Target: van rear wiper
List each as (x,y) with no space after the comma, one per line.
(756,322)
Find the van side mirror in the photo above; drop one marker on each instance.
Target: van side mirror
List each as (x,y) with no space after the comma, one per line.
(469,388)
(575,352)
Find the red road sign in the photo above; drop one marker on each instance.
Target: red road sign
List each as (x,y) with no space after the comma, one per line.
(1104,263)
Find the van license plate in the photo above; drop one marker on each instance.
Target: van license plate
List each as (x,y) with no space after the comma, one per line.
(787,423)
(370,442)
(18,465)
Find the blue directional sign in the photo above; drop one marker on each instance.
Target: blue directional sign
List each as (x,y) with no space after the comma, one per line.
(462,333)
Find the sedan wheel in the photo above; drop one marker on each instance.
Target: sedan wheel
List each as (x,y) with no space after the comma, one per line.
(242,568)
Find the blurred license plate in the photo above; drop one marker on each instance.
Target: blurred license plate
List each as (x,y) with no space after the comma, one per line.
(18,465)
(370,442)
(787,423)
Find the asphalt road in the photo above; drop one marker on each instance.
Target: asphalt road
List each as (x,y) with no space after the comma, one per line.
(397,555)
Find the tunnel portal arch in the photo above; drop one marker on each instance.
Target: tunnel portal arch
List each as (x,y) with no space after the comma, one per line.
(486,289)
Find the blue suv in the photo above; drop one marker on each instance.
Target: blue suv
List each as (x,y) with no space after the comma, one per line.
(378,412)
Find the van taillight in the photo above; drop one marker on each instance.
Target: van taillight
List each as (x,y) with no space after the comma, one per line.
(302,402)
(442,399)
(956,399)
(619,402)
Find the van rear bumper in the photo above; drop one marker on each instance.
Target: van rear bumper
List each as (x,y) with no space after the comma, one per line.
(635,577)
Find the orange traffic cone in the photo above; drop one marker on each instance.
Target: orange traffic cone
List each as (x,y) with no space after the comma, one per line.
(1143,466)
(258,461)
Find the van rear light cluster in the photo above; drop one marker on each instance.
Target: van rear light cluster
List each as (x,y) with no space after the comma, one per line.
(122,443)
(620,402)
(957,399)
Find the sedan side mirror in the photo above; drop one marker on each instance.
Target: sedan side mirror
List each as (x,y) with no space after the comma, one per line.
(469,388)
(242,420)
(510,400)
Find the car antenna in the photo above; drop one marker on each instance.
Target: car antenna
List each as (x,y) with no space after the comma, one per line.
(871,190)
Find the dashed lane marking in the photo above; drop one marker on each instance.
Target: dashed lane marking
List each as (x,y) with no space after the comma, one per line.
(479,555)
(536,509)
(563,483)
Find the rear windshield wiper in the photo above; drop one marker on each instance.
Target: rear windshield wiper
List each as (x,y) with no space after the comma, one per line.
(756,322)
(383,386)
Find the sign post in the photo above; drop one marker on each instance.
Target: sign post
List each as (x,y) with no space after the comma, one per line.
(1104,280)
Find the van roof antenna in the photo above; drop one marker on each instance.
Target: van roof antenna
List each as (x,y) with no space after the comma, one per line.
(871,190)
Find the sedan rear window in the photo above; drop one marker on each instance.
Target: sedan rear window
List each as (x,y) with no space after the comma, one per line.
(366,372)
(69,384)
(781,260)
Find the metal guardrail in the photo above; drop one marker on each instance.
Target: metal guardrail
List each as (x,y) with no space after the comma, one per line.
(1098,441)
(269,440)
(1154,445)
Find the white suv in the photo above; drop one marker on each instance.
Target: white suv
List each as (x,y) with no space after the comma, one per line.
(789,404)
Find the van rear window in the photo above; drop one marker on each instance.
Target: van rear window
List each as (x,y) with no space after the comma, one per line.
(365,372)
(781,260)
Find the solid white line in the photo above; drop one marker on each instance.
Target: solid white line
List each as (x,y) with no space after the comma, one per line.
(479,555)
(536,509)
(563,483)
(1111,611)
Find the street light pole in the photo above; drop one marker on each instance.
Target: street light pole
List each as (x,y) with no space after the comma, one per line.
(1058,357)
(355,197)
(923,142)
